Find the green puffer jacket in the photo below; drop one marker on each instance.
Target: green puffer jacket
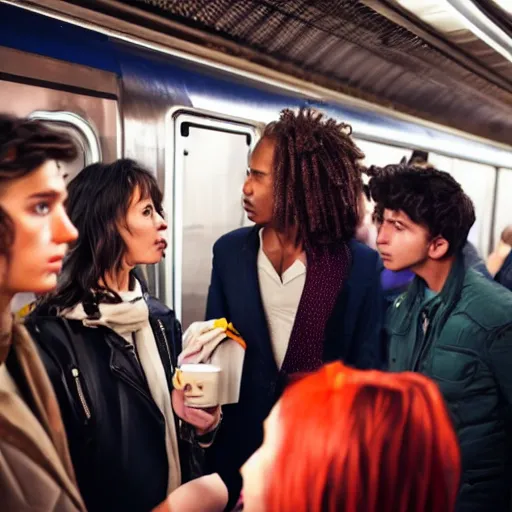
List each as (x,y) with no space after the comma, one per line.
(462,339)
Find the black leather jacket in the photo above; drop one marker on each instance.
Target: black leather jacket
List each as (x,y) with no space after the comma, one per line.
(115,430)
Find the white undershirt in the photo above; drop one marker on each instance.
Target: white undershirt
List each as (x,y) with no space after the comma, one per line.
(280,299)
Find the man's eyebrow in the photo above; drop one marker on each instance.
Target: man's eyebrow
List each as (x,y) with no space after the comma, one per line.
(252,169)
(396,221)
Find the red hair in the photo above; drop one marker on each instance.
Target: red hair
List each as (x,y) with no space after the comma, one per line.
(364,441)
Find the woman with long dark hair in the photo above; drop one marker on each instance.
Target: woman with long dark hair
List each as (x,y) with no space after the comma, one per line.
(345,440)
(110,348)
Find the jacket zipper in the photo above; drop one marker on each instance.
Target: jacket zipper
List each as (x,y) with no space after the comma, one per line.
(166,345)
(76,377)
(167,351)
(425,329)
(425,323)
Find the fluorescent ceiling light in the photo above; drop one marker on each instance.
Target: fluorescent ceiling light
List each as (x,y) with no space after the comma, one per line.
(478,23)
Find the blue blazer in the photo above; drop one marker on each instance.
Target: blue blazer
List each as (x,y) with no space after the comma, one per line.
(353,334)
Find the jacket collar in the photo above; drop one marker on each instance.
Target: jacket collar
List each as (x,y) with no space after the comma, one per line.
(450,293)
(258,321)
(252,241)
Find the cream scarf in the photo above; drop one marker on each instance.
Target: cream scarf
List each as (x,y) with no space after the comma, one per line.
(130,319)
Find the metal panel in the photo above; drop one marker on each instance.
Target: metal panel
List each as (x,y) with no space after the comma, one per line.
(149,88)
(45,69)
(369,54)
(262,80)
(380,154)
(85,136)
(210,160)
(101,114)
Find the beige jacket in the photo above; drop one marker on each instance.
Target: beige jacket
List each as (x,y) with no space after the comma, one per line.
(36,473)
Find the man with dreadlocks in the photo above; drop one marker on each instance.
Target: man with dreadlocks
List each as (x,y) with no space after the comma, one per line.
(452,324)
(297,286)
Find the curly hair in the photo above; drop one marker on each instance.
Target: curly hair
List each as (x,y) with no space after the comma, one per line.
(317,177)
(430,197)
(24,146)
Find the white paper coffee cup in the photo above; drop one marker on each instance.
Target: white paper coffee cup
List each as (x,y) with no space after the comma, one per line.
(200,384)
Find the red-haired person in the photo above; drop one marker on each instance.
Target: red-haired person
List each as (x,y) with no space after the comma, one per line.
(344,440)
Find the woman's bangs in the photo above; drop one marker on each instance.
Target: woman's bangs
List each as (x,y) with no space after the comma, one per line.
(149,189)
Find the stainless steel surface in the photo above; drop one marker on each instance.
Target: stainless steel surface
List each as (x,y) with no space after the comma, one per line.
(148,91)
(96,114)
(251,71)
(91,141)
(210,160)
(45,69)
(347,46)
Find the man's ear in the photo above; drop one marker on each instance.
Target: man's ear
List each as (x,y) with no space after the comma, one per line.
(438,248)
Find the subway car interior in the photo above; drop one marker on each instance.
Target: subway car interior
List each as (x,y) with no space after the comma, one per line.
(186,87)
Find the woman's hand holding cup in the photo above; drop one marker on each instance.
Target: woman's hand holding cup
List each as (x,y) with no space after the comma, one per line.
(204,420)
(195,398)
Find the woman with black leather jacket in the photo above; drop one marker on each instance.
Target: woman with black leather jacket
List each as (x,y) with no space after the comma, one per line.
(110,348)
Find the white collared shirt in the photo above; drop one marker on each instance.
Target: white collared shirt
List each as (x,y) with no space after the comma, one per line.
(280,299)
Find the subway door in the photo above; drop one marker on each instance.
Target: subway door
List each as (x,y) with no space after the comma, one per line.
(210,162)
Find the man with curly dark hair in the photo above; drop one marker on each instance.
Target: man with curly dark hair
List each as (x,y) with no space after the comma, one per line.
(452,324)
(297,286)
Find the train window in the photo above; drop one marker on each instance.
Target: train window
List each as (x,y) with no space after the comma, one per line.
(210,160)
(380,154)
(503,212)
(87,142)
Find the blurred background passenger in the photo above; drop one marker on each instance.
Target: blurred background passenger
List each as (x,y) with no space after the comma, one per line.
(499,262)
(366,231)
(345,440)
